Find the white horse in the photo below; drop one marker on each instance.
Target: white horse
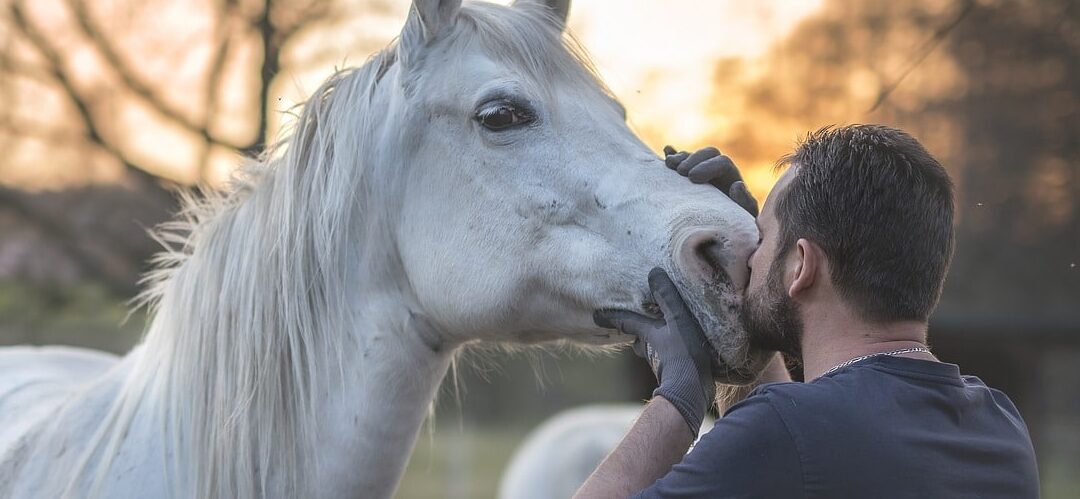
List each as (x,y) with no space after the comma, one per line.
(473,182)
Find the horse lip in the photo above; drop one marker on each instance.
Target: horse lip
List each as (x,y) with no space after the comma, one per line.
(612,336)
(651,309)
(617,337)
(647,308)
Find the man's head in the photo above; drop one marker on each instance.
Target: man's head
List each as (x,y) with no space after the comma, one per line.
(863,213)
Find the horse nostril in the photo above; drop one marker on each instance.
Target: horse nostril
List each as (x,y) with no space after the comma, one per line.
(715,255)
(711,253)
(705,254)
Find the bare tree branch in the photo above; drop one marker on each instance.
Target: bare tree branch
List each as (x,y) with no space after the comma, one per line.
(273,31)
(29,130)
(314,11)
(213,83)
(86,115)
(275,25)
(267,70)
(11,65)
(273,38)
(133,82)
(926,50)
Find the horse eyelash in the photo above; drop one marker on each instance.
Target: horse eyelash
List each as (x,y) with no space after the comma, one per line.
(492,105)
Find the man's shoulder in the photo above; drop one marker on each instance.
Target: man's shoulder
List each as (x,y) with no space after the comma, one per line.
(861,386)
(878,396)
(787,396)
(747,453)
(763,418)
(751,427)
(824,405)
(852,429)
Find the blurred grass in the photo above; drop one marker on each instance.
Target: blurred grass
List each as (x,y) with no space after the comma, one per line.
(458,463)
(77,314)
(503,395)
(1060,479)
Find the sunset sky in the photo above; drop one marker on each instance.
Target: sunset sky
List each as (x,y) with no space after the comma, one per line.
(658,57)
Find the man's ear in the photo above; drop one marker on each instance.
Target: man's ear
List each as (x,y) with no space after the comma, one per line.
(428,20)
(809,264)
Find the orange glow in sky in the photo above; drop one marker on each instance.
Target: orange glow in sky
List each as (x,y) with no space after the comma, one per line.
(658,57)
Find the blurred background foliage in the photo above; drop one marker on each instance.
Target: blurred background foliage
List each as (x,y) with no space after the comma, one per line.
(107,107)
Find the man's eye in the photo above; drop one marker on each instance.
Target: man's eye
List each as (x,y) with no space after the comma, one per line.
(503,117)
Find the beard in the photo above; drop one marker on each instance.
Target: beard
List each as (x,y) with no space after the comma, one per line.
(771,318)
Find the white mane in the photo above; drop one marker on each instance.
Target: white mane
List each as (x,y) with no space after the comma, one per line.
(250,299)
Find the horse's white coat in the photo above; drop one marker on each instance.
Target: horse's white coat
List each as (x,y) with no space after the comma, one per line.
(303,322)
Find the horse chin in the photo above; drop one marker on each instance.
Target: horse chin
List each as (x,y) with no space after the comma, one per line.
(606,338)
(716,304)
(600,338)
(591,337)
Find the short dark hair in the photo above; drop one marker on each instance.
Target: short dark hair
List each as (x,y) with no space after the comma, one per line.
(881,208)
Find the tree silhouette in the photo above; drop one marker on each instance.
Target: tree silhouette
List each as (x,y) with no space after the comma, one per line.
(991,87)
(72,74)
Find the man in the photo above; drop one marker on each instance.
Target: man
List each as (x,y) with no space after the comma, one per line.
(856,237)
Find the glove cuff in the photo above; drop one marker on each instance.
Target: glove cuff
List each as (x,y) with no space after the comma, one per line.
(690,405)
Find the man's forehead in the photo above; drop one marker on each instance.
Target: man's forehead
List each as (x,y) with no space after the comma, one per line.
(785,179)
(769,209)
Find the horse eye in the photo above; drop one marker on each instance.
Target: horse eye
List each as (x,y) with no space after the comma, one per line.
(502,117)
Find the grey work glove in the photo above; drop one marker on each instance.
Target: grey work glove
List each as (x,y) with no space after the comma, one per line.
(708,166)
(675,347)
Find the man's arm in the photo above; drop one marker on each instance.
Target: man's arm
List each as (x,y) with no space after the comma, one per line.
(658,440)
(679,356)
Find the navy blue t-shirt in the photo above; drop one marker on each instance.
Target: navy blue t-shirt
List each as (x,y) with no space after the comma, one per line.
(885,427)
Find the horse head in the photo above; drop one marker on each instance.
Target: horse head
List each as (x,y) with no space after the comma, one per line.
(524,201)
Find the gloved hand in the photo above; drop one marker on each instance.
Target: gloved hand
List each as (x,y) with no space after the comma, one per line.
(708,166)
(675,347)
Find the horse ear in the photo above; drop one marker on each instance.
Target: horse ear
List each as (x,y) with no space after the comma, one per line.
(560,9)
(427,20)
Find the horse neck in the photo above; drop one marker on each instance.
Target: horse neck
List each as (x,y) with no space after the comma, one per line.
(375,407)
(321,351)
(371,406)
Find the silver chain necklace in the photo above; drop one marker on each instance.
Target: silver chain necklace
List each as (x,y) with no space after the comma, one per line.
(864,357)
